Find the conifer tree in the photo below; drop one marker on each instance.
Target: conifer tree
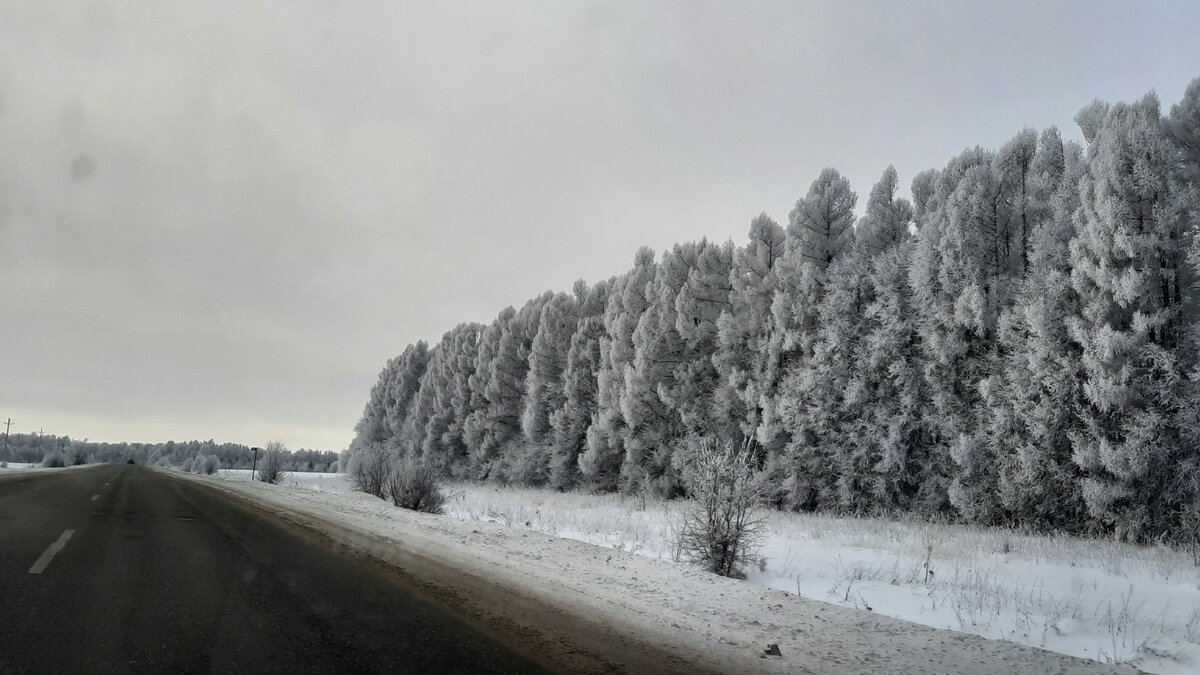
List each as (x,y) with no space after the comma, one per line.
(1124,263)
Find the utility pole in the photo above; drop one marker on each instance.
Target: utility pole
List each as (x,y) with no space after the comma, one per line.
(7,425)
(254,467)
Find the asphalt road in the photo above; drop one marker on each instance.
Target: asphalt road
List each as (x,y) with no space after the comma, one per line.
(118,569)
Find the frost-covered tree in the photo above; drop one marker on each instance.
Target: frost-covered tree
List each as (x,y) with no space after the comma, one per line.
(743,332)
(1013,165)
(890,436)
(1035,395)
(647,405)
(423,407)
(271,468)
(822,224)
(570,422)
(1184,127)
(386,414)
(600,463)
(1124,264)
(817,402)
(819,228)
(702,298)
(955,275)
(1090,119)
(503,455)
(887,218)
(476,423)
(924,190)
(371,427)
(835,459)
(547,363)
(402,392)
(880,456)
(1049,172)
(443,446)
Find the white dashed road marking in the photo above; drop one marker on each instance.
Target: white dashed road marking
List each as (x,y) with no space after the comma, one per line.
(95,497)
(51,551)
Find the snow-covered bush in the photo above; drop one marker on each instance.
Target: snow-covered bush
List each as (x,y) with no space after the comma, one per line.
(75,456)
(412,484)
(722,529)
(369,469)
(270,469)
(54,458)
(212,465)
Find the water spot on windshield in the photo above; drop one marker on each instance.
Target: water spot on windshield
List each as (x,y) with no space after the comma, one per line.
(82,167)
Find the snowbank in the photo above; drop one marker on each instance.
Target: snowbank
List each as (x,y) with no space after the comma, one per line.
(308,480)
(26,468)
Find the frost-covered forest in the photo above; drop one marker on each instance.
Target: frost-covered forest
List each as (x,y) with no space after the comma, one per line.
(1015,345)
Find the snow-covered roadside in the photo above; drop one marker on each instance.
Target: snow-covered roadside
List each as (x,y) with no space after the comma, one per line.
(8,468)
(26,468)
(1101,600)
(698,619)
(308,480)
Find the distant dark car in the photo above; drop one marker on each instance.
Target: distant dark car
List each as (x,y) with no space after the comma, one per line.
(131,462)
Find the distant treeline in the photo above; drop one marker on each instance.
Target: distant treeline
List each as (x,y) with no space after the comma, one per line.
(33,447)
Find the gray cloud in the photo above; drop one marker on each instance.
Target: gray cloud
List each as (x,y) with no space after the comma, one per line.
(218,220)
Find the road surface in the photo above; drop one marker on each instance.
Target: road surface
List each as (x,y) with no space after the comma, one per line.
(119,568)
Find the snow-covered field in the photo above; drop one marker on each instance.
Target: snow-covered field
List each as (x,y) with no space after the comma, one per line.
(320,482)
(1100,600)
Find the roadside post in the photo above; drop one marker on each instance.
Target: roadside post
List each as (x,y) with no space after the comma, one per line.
(254,466)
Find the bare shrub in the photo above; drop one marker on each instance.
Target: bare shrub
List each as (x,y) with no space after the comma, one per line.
(368,468)
(722,529)
(270,469)
(212,464)
(413,484)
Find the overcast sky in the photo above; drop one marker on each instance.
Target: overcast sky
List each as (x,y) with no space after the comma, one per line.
(218,220)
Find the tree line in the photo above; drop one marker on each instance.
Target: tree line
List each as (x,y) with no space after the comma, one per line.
(1016,344)
(33,448)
